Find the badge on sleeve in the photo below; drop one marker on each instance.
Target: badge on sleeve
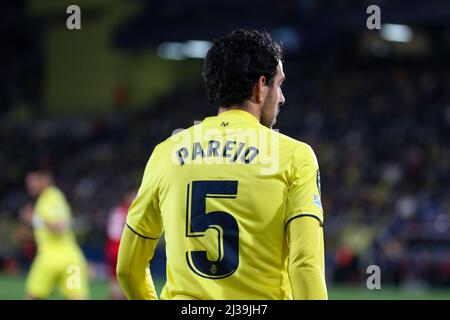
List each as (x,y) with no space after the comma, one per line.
(316,197)
(317,202)
(318,181)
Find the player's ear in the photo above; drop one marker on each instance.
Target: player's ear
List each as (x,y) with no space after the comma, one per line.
(260,90)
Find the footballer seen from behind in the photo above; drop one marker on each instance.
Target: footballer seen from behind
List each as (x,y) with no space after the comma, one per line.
(59,262)
(238,201)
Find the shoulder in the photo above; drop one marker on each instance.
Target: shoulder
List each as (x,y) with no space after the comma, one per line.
(52,194)
(177,138)
(182,134)
(300,152)
(51,199)
(297,145)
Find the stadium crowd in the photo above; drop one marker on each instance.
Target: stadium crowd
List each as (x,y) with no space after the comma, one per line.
(380,129)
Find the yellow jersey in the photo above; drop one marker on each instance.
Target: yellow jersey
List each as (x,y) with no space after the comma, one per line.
(51,207)
(224,191)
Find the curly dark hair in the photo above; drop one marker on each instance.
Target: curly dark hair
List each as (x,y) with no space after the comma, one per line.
(234,64)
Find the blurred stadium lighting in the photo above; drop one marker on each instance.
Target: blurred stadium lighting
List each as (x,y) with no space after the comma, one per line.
(288,36)
(196,49)
(396,32)
(181,50)
(171,50)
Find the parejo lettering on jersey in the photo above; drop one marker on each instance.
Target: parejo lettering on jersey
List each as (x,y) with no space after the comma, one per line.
(232,150)
(227,146)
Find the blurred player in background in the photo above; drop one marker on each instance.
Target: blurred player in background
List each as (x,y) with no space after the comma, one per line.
(116,223)
(59,260)
(231,231)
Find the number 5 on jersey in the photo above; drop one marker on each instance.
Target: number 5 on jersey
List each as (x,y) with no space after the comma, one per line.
(198,221)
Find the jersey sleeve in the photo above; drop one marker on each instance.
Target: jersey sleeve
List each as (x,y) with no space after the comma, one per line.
(133,272)
(306,266)
(144,216)
(303,197)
